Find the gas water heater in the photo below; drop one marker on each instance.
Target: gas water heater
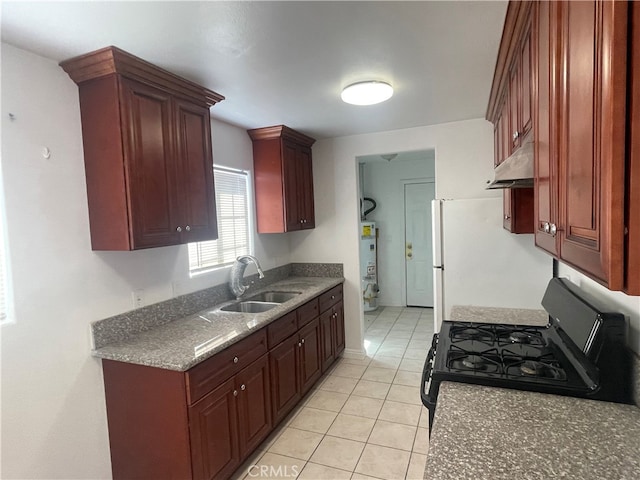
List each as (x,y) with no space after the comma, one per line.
(368,265)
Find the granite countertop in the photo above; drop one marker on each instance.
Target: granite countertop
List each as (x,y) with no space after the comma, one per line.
(511,316)
(183,343)
(486,433)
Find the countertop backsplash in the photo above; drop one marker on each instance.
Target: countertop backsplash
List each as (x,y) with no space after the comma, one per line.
(123,326)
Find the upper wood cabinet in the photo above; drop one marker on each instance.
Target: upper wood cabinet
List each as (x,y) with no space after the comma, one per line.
(510,110)
(583,200)
(147,151)
(283,179)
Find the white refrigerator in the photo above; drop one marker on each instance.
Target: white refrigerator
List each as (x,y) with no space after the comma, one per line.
(477,262)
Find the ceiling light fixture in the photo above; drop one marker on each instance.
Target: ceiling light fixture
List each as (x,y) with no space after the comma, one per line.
(367,93)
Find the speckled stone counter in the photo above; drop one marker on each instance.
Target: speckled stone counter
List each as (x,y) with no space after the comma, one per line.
(511,316)
(486,433)
(181,344)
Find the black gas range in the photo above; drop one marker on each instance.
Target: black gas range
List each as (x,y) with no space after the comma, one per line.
(581,352)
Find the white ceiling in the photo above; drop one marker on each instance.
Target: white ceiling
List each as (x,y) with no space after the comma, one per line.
(287,62)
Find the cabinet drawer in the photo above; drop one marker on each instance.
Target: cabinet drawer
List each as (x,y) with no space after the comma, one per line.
(281,329)
(204,377)
(330,298)
(307,312)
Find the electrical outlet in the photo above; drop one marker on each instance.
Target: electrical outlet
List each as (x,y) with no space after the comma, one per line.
(138,298)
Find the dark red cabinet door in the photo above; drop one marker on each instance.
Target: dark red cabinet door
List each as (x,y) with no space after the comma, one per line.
(213,428)
(284,371)
(254,405)
(592,149)
(195,180)
(291,186)
(327,349)
(338,323)
(151,171)
(310,357)
(305,188)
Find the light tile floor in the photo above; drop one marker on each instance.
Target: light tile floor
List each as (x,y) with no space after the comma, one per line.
(364,418)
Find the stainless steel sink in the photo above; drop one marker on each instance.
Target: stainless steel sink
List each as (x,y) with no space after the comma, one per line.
(250,307)
(275,297)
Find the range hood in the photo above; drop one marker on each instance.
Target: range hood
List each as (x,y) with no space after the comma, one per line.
(516,171)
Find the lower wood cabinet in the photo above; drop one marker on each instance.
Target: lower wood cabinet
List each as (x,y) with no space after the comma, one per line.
(203,423)
(295,368)
(331,326)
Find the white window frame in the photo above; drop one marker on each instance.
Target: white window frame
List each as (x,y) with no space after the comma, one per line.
(201,269)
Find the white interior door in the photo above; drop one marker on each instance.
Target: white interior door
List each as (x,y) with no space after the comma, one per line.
(418,243)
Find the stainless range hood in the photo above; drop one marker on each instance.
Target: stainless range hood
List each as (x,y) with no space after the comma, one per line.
(516,171)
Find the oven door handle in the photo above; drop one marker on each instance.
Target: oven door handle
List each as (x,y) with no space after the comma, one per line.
(426,372)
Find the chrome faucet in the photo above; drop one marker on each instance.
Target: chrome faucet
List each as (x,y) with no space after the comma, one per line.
(237,273)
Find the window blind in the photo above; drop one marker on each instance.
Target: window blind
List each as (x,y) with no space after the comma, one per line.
(234,238)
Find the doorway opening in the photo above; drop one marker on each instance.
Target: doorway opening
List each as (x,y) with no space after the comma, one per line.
(401,186)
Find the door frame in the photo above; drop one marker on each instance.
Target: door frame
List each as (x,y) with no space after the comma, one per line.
(403,184)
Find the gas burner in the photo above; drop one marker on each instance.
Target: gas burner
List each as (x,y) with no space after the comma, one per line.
(532,368)
(478,333)
(474,362)
(487,362)
(520,337)
(543,368)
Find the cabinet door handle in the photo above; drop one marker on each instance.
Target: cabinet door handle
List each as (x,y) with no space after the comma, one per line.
(299,344)
(179,229)
(546,227)
(235,393)
(187,228)
(507,217)
(242,387)
(554,229)
(333,297)
(302,341)
(516,135)
(236,359)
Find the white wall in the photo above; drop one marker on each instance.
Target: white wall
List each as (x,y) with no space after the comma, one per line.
(53,412)
(617,301)
(464,161)
(383,182)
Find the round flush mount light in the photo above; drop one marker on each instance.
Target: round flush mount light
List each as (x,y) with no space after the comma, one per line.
(367,93)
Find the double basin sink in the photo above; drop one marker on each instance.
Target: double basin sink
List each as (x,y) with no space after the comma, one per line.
(261,302)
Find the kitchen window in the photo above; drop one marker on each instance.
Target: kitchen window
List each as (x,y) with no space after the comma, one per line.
(234,229)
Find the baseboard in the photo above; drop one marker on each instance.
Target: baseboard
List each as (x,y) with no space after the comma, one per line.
(353,353)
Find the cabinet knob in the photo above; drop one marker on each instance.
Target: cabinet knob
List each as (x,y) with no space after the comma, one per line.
(242,387)
(516,135)
(179,229)
(546,227)
(299,344)
(187,228)
(553,229)
(235,393)
(507,217)
(333,297)
(236,359)
(302,341)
